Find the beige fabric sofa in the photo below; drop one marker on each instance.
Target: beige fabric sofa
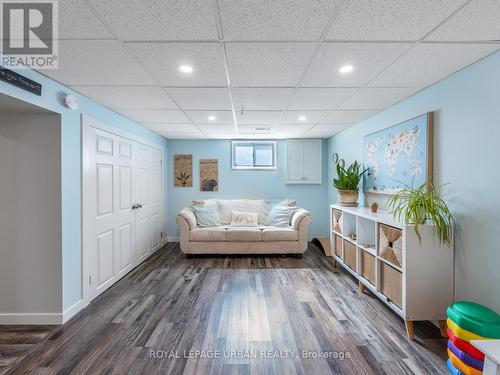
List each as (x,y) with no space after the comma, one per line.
(225,239)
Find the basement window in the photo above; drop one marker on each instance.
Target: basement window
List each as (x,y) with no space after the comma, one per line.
(254,154)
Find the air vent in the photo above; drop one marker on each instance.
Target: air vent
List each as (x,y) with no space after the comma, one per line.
(268,129)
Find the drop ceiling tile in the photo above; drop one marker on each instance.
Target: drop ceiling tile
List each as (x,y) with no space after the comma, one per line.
(291,131)
(428,63)
(311,117)
(377,98)
(267,64)
(221,117)
(76,21)
(255,129)
(164,59)
(223,135)
(155,115)
(130,97)
(172,128)
(320,98)
(390,19)
(258,117)
(219,128)
(201,98)
(256,98)
(368,59)
(97,62)
(158,19)
(326,130)
(346,117)
(477,21)
(276,19)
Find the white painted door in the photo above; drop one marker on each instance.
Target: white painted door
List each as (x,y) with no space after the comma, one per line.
(113,227)
(148,197)
(312,161)
(303,161)
(294,162)
(122,210)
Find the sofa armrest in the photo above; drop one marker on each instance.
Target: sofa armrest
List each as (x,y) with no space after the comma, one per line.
(300,222)
(299,215)
(187,214)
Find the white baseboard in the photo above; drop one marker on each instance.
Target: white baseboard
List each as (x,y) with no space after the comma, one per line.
(50,318)
(172,238)
(73,310)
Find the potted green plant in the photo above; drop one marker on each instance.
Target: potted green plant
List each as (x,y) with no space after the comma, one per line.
(420,205)
(347,183)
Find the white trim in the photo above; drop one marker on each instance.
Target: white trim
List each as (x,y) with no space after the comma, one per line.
(32,318)
(73,310)
(88,123)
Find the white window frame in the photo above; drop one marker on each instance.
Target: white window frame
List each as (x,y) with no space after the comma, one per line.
(274,145)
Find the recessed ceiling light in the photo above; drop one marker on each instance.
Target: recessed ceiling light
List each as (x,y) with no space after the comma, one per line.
(346,69)
(186,68)
(211,118)
(302,118)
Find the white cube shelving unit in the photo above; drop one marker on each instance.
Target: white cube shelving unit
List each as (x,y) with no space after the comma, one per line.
(420,288)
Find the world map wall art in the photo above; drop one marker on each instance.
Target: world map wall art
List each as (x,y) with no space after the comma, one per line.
(399,154)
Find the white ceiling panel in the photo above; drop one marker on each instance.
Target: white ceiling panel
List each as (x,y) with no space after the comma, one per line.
(218,128)
(97,62)
(159,19)
(291,131)
(320,98)
(201,98)
(256,98)
(223,135)
(303,117)
(390,19)
(427,63)
(155,115)
(203,117)
(325,130)
(276,19)
(258,117)
(346,117)
(478,21)
(255,129)
(131,97)
(173,128)
(267,64)
(164,59)
(368,59)
(76,21)
(377,98)
(183,135)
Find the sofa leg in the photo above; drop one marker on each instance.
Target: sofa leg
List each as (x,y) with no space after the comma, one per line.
(189,256)
(298,256)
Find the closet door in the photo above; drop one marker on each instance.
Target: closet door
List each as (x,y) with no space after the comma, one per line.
(303,161)
(294,162)
(147,200)
(113,226)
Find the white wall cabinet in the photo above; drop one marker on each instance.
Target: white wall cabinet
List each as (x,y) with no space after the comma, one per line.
(303,161)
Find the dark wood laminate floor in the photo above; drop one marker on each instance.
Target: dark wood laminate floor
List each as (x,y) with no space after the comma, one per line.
(242,309)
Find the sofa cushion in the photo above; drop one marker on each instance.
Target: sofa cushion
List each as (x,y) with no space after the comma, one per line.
(244,219)
(243,234)
(208,234)
(271,234)
(207,216)
(227,206)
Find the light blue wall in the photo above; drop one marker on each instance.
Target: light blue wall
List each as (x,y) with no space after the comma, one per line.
(466,149)
(243,184)
(52,99)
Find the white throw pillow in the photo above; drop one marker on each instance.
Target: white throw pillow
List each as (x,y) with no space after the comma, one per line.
(227,206)
(244,219)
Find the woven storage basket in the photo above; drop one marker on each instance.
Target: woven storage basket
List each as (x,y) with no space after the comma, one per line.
(391,244)
(337,220)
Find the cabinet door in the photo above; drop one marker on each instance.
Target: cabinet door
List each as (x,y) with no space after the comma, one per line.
(294,161)
(312,161)
(303,161)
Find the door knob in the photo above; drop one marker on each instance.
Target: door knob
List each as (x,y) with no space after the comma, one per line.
(139,205)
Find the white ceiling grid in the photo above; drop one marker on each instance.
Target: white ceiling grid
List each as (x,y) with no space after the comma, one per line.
(265,69)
